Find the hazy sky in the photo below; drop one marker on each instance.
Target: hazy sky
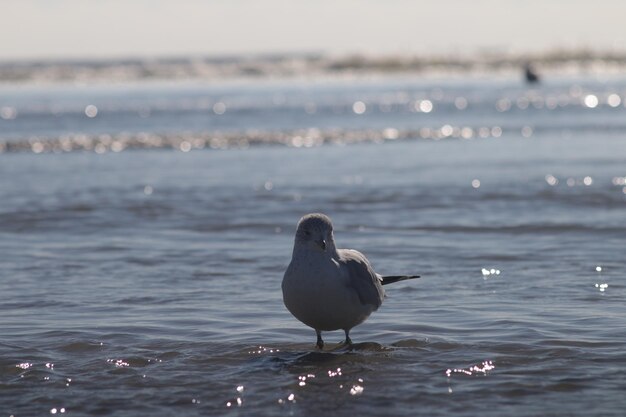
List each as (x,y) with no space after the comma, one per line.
(126,28)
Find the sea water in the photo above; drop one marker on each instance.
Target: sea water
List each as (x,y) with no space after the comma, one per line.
(144,278)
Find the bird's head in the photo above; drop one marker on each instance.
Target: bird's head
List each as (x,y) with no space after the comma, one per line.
(315,232)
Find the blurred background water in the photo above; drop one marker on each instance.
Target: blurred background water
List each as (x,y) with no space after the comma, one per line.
(145,230)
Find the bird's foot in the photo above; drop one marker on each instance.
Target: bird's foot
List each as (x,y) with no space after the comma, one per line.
(320,342)
(348,343)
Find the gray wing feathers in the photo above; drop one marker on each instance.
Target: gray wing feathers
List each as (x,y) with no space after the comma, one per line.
(362,277)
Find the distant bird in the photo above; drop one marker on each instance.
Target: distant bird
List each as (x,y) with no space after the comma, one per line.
(328,288)
(530,74)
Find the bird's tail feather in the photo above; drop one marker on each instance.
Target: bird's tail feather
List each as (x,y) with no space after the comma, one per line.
(395,278)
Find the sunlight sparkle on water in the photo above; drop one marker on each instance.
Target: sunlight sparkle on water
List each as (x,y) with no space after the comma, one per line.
(120,363)
(37,147)
(291,398)
(91,111)
(185,146)
(503,105)
(522,103)
(219,108)
(591,101)
(8,113)
(484,132)
(425,106)
(488,272)
(552,180)
(527,131)
(447,130)
(302,379)
(467,132)
(481,369)
(359,107)
(621,181)
(356,390)
(24,365)
(390,133)
(613,100)
(231,403)
(573,182)
(237,401)
(460,103)
(262,349)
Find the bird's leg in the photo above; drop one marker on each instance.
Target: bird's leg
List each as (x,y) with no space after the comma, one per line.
(348,340)
(320,342)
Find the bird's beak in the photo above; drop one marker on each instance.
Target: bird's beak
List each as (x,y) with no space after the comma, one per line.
(321,243)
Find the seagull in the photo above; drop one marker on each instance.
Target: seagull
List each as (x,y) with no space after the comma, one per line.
(328,288)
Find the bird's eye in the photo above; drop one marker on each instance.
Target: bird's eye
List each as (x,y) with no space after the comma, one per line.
(307,233)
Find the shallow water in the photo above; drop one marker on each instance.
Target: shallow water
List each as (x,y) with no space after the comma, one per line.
(147,282)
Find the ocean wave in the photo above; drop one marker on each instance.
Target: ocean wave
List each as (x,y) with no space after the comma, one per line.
(297,138)
(306,65)
(186,142)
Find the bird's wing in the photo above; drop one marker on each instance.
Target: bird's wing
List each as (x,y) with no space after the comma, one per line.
(362,277)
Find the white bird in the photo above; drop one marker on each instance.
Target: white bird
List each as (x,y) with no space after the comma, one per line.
(328,288)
